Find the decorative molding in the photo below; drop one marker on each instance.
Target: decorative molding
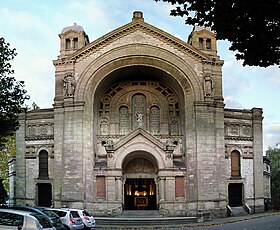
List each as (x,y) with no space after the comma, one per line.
(146,28)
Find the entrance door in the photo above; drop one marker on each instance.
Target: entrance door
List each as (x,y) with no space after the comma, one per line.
(44,194)
(235,194)
(140,194)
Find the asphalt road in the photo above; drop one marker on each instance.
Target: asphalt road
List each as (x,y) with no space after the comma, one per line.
(259,223)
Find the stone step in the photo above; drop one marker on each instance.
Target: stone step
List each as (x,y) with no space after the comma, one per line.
(238,211)
(141,213)
(124,222)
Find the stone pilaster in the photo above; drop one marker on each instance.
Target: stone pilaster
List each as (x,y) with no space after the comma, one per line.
(20,193)
(72,161)
(209,119)
(258,159)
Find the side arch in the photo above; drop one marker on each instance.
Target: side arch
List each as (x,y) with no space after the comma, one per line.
(150,153)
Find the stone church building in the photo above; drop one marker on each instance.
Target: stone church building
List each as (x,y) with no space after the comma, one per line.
(139,122)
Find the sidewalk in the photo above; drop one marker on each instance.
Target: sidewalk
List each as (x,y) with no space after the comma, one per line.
(213,222)
(233,219)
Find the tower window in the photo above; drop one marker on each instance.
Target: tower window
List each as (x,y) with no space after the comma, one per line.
(67,43)
(200,40)
(75,43)
(208,44)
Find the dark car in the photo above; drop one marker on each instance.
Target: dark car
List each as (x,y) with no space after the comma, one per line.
(52,216)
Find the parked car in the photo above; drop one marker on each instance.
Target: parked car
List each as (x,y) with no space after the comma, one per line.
(52,216)
(70,219)
(87,219)
(11,219)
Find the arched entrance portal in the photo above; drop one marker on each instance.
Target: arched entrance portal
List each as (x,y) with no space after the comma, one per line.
(140,183)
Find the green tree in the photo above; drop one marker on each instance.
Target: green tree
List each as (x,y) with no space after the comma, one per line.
(252,26)
(12,93)
(7,152)
(3,193)
(274,156)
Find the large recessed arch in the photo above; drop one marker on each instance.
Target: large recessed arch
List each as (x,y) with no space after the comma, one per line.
(138,55)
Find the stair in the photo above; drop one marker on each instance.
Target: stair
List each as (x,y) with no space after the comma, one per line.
(238,211)
(141,213)
(141,218)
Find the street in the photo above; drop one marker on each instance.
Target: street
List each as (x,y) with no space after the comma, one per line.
(260,223)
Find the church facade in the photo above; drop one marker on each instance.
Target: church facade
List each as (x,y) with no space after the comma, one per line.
(139,122)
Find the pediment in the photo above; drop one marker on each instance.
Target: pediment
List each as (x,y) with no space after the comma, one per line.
(139,135)
(139,32)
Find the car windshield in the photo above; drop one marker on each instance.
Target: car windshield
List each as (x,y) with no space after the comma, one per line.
(43,221)
(85,213)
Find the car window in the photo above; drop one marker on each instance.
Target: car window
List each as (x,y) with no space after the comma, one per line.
(11,219)
(85,213)
(75,214)
(60,213)
(50,214)
(43,221)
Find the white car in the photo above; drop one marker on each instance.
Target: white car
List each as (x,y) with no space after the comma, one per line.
(87,219)
(70,219)
(11,219)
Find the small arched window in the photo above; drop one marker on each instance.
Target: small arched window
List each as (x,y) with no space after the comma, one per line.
(124,120)
(154,120)
(200,40)
(43,165)
(75,40)
(208,44)
(67,43)
(235,164)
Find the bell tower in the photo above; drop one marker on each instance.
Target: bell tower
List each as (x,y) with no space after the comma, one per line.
(72,38)
(204,39)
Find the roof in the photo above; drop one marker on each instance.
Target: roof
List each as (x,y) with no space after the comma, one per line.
(75,27)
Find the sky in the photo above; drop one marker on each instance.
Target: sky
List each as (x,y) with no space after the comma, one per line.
(32,27)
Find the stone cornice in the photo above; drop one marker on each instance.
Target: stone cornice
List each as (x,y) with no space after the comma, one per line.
(239,138)
(146,28)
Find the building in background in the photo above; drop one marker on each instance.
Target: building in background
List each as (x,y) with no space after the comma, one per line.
(139,122)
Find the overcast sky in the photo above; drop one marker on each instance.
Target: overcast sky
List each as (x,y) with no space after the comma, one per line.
(32,27)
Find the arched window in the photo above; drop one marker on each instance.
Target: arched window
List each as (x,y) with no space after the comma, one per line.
(174,127)
(124,120)
(104,126)
(75,40)
(154,120)
(43,165)
(208,44)
(200,40)
(235,164)
(67,43)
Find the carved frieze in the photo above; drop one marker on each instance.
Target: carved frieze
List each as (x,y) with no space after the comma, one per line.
(39,131)
(238,130)
(140,165)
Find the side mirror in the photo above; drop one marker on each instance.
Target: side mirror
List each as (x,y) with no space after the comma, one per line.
(19,227)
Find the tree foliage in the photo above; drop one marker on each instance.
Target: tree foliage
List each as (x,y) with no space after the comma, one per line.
(274,156)
(7,152)
(252,26)
(12,93)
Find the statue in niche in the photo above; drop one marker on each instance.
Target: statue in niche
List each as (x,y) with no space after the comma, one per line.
(208,85)
(139,119)
(69,84)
